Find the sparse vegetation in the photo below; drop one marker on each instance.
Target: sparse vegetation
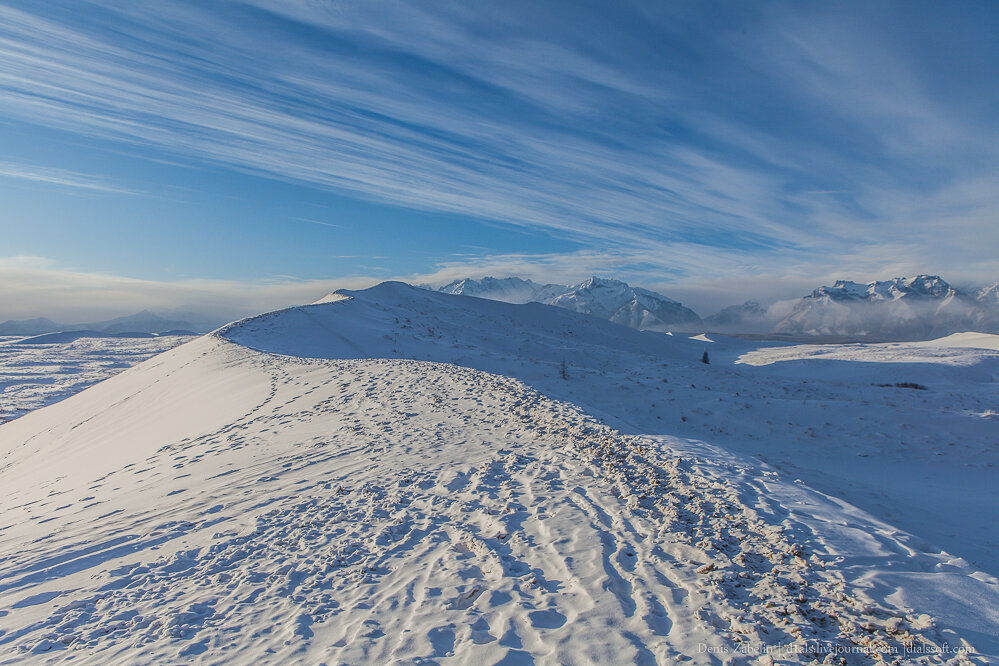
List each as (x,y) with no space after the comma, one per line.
(908,385)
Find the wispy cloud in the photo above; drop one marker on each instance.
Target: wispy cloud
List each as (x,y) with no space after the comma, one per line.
(693,146)
(61,177)
(319,222)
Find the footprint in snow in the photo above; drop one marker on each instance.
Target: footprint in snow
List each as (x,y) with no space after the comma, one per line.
(442,641)
(546,619)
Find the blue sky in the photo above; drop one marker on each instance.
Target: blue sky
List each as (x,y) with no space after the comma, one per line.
(249,154)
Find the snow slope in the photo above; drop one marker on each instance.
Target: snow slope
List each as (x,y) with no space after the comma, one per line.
(844,419)
(972,340)
(403,476)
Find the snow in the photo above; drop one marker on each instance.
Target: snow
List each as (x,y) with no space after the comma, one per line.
(925,460)
(966,339)
(39,371)
(404,476)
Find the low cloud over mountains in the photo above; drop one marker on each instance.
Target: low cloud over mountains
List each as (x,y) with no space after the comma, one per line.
(917,307)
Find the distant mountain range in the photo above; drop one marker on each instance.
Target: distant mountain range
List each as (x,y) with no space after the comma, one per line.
(919,307)
(140,322)
(750,317)
(911,308)
(608,299)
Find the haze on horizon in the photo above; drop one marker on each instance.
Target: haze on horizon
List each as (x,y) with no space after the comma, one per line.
(253,154)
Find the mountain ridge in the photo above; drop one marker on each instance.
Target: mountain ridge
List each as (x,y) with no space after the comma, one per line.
(143,321)
(902,308)
(921,306)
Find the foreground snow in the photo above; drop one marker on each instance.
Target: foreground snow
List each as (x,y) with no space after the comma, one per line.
(233,500)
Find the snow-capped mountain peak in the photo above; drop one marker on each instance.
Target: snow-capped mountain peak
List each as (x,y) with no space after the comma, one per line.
(619,302)
(931,286)
(901,308)
(989,296)
(510,290)
(606,298)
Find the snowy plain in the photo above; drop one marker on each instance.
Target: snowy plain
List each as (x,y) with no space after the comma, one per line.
(35,374)
(399,476)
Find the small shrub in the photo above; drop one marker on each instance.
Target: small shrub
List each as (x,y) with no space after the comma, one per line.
(908,385)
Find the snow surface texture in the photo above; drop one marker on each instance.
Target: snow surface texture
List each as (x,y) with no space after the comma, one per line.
(402,476)
(34,374)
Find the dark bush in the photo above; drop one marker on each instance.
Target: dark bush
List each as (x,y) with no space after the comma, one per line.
(908,385)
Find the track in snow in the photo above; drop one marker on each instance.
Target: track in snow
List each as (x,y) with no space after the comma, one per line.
(371,511)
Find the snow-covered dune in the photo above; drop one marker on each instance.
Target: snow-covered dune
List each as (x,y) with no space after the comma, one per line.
(403,476)
(967,339)
(396,320)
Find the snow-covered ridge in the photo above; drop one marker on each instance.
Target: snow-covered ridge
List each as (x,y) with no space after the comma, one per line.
(396,320)
(402,475)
